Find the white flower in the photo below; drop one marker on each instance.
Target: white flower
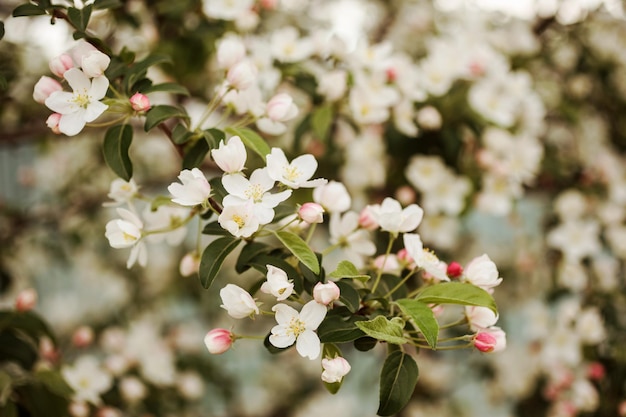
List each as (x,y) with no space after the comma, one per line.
(332,84)
(239,219)
(482,272)
(121,192)
(88,379)
(226,9)
(392,218)
(242,75)
(299,328)
(195,188)
(480,318)
(83,105)
(44,88)
(424,258)
(94,63)
(326,293)
(334,369)
(334,197)
(254,191)
(238,302)
(277,283)
(231,157)
(170,220)
(126,233)
(281,108)
(354,242)
(230,51)
(294,174)
(577,239)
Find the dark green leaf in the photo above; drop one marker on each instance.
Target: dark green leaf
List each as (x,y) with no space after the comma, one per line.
(180,134)
(457,293)
(117,141)
(28,9)
(16,349)
(79,17)
(167,88)
(248,253)
(364,344)
(423,317)
(194,156)
(321,121)
(54,382)
(349,296)
(213,257)
(214,136)
(252,140)
(397,382)
(6,387)
(8,410)
(106,4)
(158,114)
(138,70)
(215,229)
(346,269)
(336,329)
(1,29)
(40,402)
(28,323)
(383,329)
(310,276)
(300,249)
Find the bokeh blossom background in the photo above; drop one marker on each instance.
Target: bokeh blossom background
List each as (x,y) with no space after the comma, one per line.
(503,120)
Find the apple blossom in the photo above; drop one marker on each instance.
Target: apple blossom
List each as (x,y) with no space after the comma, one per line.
(121,191)
(294,174)
(82,105)
(231,156)
(226,9)
(424,258)
(354,242)
(230,51)
(238,302)
(94,63)
(326,293)
(239,219)
(58,65)
(242,75)
(132,389)
(218,341)
(482,272)
(392,218)
(83,336)
(127,233)
(367,220)
(333,196)
(88,379)
(311,213)
(140,102)
(480,318)
(44,88)
(281,108)
(277,283)
(485,342)
(454,270)
(298,328)
(334,369)
(194,190)
(26,300)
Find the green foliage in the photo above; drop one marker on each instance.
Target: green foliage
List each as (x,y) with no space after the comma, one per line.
(173,88)
(252,140)
(346,269)
(213,257)
(383,329)
(299,248)
(29,9)
(159,114)
(195,154)
(349,296)
(107,4)
(423,317)
(321,121)
(1,29)
(116,144)
(338,328)
(457,293)
(397,382)
(79,17)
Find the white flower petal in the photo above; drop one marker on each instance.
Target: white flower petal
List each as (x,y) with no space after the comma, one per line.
(99,87)
(284,313)
(308,345)
(71,124)
(94,110)
(61,102)
(312,314)
(78,80)
(280,338)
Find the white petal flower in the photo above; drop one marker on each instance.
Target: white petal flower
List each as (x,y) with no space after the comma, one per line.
(277,283)
(239,219)
(334,369)
(482,272)
(88,379)
(94,63)
(83,105)
(281,108)
(231,157)
(121,192)
(334,197)
(392,218)
(354,242)
(124,232)
(294,174)
(299,328)
(238,302)
(195,188)
(480,318)
(424,258)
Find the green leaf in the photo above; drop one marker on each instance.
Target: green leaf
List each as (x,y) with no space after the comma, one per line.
(14,348)
(349,296)
(41,402)
(173,88)
(321,121)
(383,329)
(215,229)
(8,410)
(363,344)
(27,323)
(106,4)
(79,17)
(248,253)
(336,329)
(346,269)
(397,383)
(138,70)
(300,249)
(6,387)
(28,9)
(54,382)
(213,257)
(158,114)
(457,293)
(252,140)
(214,136)
(423,317)
(117,141)
(194,156)
(180,134)
(1,30)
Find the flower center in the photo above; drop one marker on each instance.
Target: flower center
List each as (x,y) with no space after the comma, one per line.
(128,237)
(82,100)
(296,327)
(239,220)
(291,173)
(254,192)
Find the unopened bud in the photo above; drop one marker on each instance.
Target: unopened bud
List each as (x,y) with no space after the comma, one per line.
(242,75)
(140,102)
(190,264)
(58,65)
(454,270)
(83,336)
(218,341)
(311,213)
(26,300)
(53,123)
(367,220)
(44,87)
(326,293)
(485,342)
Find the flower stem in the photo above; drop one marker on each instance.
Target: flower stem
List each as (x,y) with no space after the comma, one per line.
(392,238)
(400,284)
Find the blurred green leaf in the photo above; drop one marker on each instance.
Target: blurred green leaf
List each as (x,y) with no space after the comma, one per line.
(299,249)
(116,144)
(383,329)
(6,387)
(215,229)
(41,402)
(180,134)
(79,17)
(349,296)
(158,114)
(27,322)
(173,88)
(457,293)
(1,29)
(423,317)
(248,253)
(106,4)
(28,9)
(194,156)
(14,348)
(321,121)
(252,140)
(397,382)
(54,382)
(346,269)
(213,257)
(8,410)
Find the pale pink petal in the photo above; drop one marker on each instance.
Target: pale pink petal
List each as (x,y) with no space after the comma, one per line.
(78,80)
(312,314)
(235,184)
(94,110)
(272,200)
(71,124)
(261,177)
(61,102)
(306,164)
(280,338)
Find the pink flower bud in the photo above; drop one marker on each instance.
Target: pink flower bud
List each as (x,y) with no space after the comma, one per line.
(83,336)
(311,213)
(60,64)
(404,258)
(140,102)
(367,220)
(454,270)
(218,341)
(26,300)
(242,75)
(44,87)
(79,409)
(280,108)
(596,371)
(334,369)
(53,123)
(405,195)
(190,264)
(485,342)
(387,263)
(326,293)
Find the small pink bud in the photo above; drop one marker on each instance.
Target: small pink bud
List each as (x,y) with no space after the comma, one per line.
(218,341)
(387,263)
(405,195)
(334,369)
(83,337)
(140,102)
(596,371)
(326,293)
(53,123)
(454,270)
(47,350)
(79,409)
(621,409)
(44,87)
(190,264)
(269,4)
(485,342)
(60,64)
(392,74)
(108,412)
(311,213)
(367,220)
(281,108)
(242,75)
(26,300)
